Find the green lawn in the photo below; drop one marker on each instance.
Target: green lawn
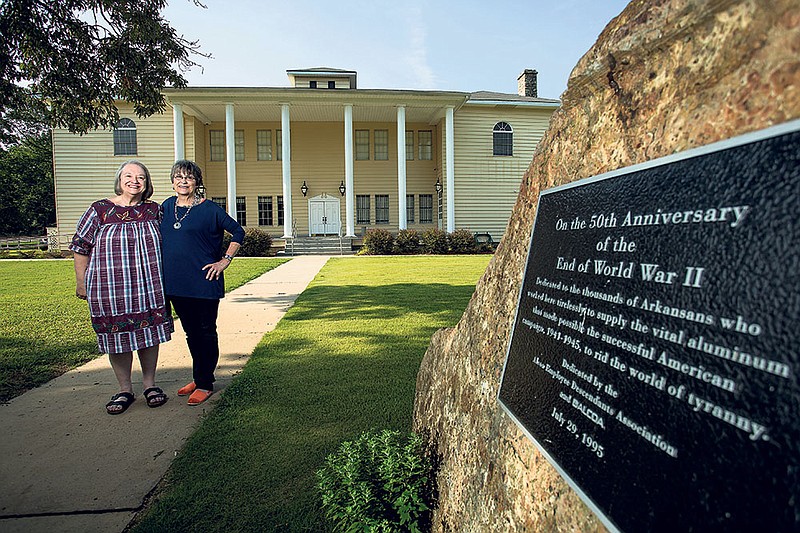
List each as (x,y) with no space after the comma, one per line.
(344,359)
(45,330)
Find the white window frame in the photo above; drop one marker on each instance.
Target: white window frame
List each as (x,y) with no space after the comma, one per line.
(381,209)
(265,212)
(125,142)
(425,144)
(217,145)
(238,143)
(381,139)
(409,208)
(264,145)
(502,140)
(241,210)
(426,211)
(361,208)
(362,145)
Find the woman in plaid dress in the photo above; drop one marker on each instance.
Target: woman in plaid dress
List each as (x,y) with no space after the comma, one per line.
(117,249)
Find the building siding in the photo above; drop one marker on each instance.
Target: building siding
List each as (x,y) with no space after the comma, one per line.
(486,185)
(85,165)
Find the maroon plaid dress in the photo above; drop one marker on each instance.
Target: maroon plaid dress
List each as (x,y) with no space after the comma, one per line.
(124,281)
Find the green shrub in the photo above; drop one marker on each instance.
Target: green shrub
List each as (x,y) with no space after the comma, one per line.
(257,243)
(407,242)
(382,481)
(378,242)
(462,241)
(434,241)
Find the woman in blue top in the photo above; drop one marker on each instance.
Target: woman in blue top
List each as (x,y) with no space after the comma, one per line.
(192,230)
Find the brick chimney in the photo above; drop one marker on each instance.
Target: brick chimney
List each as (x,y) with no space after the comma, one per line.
(526,83)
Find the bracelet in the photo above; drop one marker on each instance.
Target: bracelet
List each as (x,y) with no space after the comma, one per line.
(228,257)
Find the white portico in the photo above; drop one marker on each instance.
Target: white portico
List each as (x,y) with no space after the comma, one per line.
(360,163)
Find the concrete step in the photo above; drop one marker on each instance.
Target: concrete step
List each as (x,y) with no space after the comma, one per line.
(318,246)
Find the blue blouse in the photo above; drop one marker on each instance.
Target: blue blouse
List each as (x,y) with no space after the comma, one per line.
(197,243)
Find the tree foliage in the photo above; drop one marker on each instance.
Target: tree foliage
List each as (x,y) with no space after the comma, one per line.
(27,204)
(69,60)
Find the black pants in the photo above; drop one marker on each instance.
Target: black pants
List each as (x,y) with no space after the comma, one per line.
(199,320)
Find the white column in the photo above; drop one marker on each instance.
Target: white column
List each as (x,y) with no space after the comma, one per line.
(286,155)
(350,212)
(450,170)
(230,158)
(402,220)
(177,131)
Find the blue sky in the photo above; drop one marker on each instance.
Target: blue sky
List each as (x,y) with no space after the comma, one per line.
(405,44)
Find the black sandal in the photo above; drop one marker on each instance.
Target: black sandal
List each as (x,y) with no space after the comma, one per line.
(123,400)
(155,397)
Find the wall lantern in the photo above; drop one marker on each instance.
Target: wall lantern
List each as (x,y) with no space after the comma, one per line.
(304,188)
(341,188)
(438,186)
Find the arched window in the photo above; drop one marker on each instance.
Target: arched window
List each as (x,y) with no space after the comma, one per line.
(502,139)
(125,137)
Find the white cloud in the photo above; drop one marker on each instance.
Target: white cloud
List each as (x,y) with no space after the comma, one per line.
(417,60)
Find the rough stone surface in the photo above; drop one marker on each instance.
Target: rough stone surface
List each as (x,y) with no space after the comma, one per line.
(664,76)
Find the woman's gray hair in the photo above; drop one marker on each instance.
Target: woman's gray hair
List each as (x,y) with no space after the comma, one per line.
(148,183)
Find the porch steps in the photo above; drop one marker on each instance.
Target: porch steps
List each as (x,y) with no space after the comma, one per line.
(318,246)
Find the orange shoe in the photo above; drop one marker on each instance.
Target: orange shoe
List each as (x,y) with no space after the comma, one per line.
(199,396)
(186,390)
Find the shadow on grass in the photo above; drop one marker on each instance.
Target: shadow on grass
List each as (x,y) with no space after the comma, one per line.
(25,365)
(342,361)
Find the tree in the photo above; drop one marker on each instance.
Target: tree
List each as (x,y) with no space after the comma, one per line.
(69,60)
(27,204)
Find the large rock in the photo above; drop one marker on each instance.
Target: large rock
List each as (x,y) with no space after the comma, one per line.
(664,76)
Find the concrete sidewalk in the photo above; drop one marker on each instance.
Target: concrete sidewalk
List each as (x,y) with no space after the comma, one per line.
(65,465)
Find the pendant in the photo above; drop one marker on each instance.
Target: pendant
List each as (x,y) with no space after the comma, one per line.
(177,225)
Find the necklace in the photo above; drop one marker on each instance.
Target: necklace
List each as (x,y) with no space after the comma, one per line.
(177,224)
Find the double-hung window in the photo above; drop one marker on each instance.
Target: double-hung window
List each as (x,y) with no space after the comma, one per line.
(362,145)
(381,208)
(425,140)
(362,209)
(241,210)
(265,210)
(409,146)
(217,145)
(381,145)
(264,145)
(409,208)
(426,208)
(238,143)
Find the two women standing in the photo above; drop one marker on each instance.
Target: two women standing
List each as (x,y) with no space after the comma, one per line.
(119,245)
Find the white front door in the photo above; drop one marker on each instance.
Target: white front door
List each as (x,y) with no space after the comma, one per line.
(323,215)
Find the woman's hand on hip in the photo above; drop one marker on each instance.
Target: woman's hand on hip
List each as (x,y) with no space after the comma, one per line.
(214,270)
